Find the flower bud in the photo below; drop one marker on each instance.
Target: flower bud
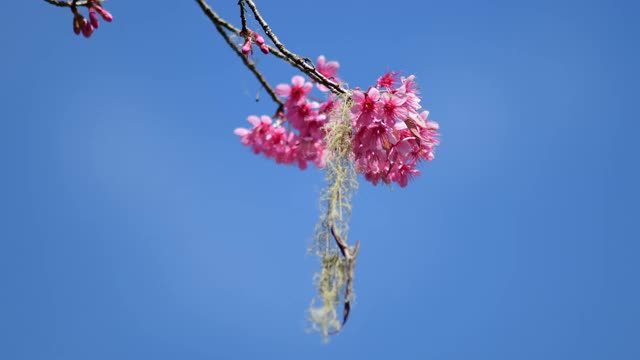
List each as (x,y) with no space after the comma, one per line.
(87,28)
(93,18)
(264,48)
(259,39)
(104,13)
(246,48)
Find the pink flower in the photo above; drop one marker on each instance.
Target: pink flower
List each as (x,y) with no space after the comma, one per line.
(387,80)
(373,167)
(366,106)
(377,138)
(410,89)
(284,146)
(299,114)
(329,105)
(328,69)
(255,137)
(390,136)
(296,93)
(391,133)
(402,173)
(391,108)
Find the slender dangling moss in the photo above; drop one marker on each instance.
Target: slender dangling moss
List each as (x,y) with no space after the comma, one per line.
(333,279)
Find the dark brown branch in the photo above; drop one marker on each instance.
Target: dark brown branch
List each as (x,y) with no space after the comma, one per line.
(272,50)
(243,17)
(61,3)
(299,62)
(349,254)
(214,17)
(251,66)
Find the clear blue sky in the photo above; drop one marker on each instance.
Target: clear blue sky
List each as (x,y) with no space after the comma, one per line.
(135,226)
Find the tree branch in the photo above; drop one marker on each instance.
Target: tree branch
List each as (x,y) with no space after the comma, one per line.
(251,66)
(243,16)
(303,64)
(61,3)
(349,253)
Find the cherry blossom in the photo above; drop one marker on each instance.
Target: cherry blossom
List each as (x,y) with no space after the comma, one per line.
(391,133)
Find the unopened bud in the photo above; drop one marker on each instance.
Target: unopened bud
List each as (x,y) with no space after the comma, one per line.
(93,18)
(104,13)
(87,28)
(246,48)
(259,39)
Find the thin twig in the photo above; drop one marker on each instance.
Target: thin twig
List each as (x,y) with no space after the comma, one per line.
(243,17)
(301,63)
(61,3)
(213,17)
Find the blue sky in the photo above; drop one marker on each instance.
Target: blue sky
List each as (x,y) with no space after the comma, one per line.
(135,226)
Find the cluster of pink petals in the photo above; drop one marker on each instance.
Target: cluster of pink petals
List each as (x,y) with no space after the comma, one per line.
(391,131)
(250,39)
(86,27)
(304,141)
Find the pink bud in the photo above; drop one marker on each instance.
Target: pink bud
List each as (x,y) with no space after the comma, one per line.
(87,28)
(259,39)
(93,18)
(246,48)
(104,13)
(264,48)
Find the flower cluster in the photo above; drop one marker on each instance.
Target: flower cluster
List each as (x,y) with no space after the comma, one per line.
(250,38)
(391,134)
(305,144)
(86,27)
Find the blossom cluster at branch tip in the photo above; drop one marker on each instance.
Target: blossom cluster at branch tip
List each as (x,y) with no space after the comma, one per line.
(391,133)
(86,27)
(304,141)
(253,37)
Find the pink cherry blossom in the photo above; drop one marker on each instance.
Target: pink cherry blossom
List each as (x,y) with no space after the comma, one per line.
(297,92)
(328,69)
(387,80)
(366,106)
(391,108)
(392,134)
